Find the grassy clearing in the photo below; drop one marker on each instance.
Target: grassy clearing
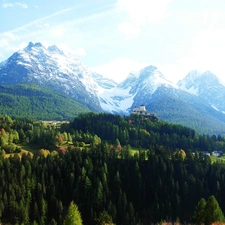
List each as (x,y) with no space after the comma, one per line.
(134,150)
(25,149)
(18,154)
(217,159)
(29,147)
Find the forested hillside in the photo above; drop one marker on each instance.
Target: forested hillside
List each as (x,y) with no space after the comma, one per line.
(117,170)
(37,103)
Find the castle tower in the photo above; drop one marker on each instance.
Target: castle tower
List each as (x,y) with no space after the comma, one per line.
(142,108)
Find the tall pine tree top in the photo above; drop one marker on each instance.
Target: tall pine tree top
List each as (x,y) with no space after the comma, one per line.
(73,216)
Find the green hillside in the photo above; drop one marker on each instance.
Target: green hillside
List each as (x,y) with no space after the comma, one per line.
(189,112)
(108,169)
(23,101)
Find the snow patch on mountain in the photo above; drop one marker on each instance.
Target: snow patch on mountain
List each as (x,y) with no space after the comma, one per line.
(193,90)
(61,66)
(116,100)
(59,70)
(53,68)
(207,86)
(136,89)
(215,108)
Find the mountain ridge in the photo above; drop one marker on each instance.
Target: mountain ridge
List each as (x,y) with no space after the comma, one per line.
(53,69)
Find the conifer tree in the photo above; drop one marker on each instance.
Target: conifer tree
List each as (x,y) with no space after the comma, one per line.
(199,215)
(213,211)
(73,216)
(208,212)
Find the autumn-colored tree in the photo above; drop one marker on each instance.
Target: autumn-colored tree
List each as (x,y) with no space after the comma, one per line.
(62,150)
(2,131)
(44,152)
(119,148)
(59,139)
(180,155)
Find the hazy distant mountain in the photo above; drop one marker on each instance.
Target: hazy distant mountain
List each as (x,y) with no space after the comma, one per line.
(207,86)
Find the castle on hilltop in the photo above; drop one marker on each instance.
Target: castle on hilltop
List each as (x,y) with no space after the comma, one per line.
(142,111)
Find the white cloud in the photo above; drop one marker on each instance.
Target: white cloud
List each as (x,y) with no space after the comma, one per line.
(1,55)
(10,35)
(129,30)
(144,11)
(40,20)
(119,69)
(77,52)
(7,5)
(5,41)
(205,16)
(58,31)
(140,13)
(23,45)
(175,71)
(207,52)
(80,52)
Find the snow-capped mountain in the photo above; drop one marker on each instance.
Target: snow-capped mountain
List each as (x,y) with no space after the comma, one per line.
(52,68)
(197,100)
(135,90)
(207,86)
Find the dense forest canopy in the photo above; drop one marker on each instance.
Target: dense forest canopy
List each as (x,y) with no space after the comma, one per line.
(33,102)
(109,169)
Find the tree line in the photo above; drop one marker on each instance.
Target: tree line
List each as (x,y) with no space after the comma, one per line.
(90,162)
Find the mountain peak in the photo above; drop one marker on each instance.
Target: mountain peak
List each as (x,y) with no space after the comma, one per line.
(150,67)
(31,45)
(197,76)
(52,68)
(55,49)
(209,74)
(197,82)
(151,72)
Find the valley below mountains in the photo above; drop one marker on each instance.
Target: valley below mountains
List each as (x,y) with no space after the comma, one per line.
(47,83)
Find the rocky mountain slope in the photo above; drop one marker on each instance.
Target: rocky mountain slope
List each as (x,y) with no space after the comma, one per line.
(197,101)
(207,86)
(170,102)
(55,70)
(137,89)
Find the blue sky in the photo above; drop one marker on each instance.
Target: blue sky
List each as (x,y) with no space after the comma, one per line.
(114,37)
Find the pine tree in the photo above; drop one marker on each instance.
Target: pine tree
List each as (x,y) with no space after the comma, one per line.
(104,219)
(208,212)
(213,211)
(199,215)
(73,216)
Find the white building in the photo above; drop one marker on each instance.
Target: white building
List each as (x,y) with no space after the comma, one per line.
(142,111)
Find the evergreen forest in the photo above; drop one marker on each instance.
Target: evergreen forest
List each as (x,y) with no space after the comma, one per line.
(108,169)
(33,102)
